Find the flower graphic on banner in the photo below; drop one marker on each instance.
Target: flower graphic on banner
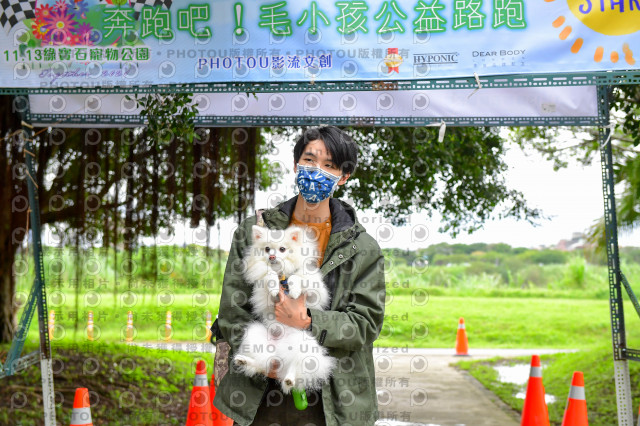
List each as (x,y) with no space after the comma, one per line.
(84,31)
(609,19)
(64,23)
(78,8)
(40,30)
(61,4)
(43,11)
(61,24)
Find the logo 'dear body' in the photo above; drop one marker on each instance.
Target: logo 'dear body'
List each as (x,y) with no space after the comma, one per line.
(259,233)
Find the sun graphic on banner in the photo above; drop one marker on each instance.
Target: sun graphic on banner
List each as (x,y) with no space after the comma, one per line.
(608,17)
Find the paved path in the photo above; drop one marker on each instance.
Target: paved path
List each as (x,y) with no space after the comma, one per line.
(418,387)
(452,397)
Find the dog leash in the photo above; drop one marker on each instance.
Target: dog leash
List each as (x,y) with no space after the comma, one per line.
(285,284)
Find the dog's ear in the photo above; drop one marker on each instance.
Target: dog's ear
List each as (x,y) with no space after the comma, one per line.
(294,234)
(259,233)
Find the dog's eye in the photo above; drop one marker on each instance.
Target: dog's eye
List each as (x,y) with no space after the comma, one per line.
(282,249)
(267,249)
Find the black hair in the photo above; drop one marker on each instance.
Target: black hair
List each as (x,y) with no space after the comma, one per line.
(343,150)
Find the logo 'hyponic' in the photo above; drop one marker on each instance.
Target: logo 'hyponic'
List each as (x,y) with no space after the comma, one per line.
(435,58)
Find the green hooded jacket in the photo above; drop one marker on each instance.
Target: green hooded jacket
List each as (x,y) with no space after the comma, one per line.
(353,271)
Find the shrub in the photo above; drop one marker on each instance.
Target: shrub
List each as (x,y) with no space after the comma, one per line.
(575,274)
(545,257)
(533,275)
(478,268)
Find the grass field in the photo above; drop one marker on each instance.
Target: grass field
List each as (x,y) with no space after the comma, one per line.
(563,306)
(491,322)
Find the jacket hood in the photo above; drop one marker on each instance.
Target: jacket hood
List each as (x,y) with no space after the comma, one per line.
(343,215)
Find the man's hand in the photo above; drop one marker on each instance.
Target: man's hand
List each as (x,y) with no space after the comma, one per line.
(292,312)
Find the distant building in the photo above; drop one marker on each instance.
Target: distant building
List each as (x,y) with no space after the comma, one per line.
(577,242)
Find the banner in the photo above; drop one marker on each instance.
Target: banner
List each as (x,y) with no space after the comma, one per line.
(89,43)
(408,106)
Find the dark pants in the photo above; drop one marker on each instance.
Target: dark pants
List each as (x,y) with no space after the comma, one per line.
(278,409)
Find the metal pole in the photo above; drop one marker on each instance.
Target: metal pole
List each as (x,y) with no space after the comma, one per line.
(620,363)
(48,396)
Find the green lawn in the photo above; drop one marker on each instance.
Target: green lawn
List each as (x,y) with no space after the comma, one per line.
(504,322)
(509,298)
(524,321)
(491,322)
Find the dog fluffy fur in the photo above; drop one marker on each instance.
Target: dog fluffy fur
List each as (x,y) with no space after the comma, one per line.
(303,363)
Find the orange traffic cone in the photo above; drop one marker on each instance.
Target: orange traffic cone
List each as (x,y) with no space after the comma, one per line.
(81,413)
(200,405)
(219,419)
(534,412)
(462,346)
(575,413)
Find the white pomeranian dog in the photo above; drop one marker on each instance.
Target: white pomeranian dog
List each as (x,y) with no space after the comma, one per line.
(302,362)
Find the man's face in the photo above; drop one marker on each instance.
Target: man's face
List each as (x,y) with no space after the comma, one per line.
(316,154)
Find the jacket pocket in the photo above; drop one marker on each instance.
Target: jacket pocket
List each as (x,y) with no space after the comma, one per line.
(351,373)
(363,372)
(353,399)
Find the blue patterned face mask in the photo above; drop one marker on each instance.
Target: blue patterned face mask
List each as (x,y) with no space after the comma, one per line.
(315,184)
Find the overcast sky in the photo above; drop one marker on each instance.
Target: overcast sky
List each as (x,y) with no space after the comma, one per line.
(572,197)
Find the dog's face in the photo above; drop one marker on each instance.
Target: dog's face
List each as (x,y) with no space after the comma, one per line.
(280,249)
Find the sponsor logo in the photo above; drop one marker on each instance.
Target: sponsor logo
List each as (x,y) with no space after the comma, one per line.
(393,59)
(436,58)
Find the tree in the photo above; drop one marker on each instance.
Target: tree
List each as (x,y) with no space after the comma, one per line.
(584,147)
(408,170)
(13,212)
(113,186)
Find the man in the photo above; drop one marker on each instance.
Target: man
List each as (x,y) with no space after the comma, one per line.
(352,266)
